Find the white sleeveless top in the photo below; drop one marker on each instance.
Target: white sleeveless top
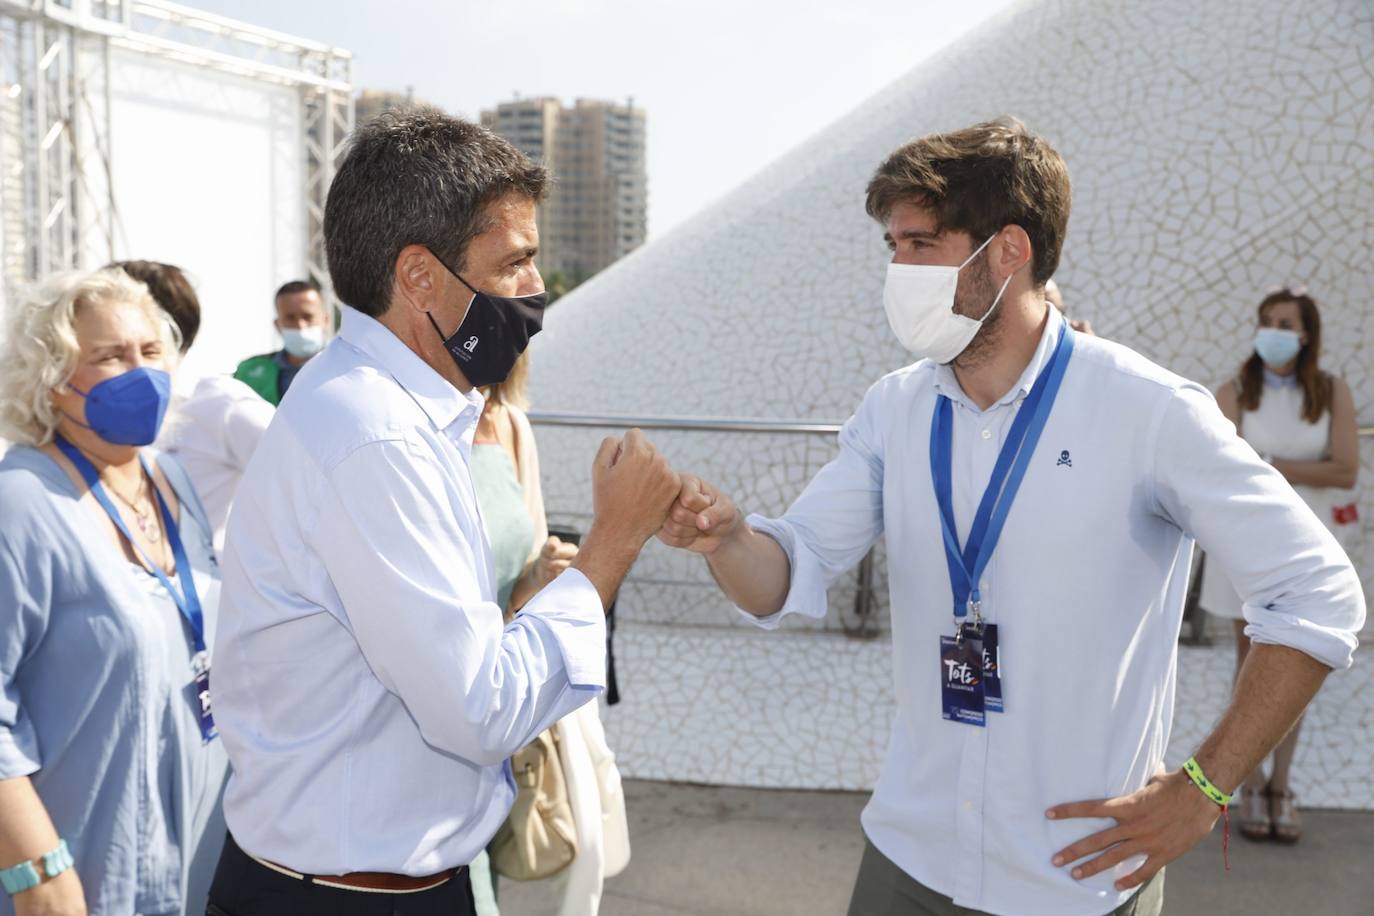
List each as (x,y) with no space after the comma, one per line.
(1276,429)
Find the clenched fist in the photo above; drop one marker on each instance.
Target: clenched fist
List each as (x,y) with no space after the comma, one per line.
(701,517)
(632,488)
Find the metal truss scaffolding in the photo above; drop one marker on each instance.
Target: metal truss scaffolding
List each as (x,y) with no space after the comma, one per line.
(58,209)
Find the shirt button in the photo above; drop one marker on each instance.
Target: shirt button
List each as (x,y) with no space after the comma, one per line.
(968,805)
(987,434)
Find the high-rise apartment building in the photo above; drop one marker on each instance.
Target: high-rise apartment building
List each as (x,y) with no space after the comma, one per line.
(598,208)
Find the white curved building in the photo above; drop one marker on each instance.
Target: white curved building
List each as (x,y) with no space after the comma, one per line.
(1216,149)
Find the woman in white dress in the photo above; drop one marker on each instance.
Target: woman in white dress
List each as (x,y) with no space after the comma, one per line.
(1302,421)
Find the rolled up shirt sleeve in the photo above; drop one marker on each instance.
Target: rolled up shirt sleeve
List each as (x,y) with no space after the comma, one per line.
(1297,586)
(409,584)
(834,522)
(24,588)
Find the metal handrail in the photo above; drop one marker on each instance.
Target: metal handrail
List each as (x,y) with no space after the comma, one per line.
(865,628)
(718,424)
(713,424)
(863,601)
(699,424)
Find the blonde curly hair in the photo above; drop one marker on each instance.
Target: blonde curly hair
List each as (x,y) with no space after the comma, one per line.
(40,347)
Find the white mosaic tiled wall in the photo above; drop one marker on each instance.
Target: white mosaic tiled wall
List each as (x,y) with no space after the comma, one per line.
(812,711)
(1216,149)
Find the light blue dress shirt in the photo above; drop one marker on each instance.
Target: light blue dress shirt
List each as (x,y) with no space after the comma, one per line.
(98,705)
(1087,587)
(365,686)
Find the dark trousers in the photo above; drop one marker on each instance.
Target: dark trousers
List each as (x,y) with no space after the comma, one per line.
(245,887)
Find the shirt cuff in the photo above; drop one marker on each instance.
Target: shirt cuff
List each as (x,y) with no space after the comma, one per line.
(1333,647)
(808,583)
(18,750)
(569,612)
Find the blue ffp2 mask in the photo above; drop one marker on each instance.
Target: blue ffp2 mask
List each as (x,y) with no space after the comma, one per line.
(127,409)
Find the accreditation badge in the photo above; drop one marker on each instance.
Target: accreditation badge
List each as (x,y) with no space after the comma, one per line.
(961,679)
(992,669)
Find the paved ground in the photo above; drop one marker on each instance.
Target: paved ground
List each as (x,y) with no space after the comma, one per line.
(708,851)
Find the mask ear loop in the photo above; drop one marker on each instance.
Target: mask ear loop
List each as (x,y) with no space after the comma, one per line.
(993,307)
(977,250)
(85,395)
(435,325)
(1005,283)
(459,277)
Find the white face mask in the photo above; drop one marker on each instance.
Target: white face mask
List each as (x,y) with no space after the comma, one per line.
(919,299)
(303,343)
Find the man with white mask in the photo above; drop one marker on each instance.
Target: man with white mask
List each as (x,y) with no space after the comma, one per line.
(1034,697)
(303,321)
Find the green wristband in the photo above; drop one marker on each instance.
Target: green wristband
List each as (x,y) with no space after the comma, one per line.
(1200,780)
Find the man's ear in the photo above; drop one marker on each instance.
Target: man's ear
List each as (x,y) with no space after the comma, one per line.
(416,281)
(1013,250)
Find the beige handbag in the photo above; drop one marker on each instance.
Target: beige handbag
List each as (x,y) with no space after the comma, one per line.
(539,838)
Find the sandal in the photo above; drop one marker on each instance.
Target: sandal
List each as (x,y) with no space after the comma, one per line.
(1283,811)
(1255,822)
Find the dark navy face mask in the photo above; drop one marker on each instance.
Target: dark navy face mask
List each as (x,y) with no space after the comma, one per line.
(493,333)
(127,409)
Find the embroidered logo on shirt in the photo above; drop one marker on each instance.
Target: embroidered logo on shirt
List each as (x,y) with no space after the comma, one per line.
(1064,459)
(471,345)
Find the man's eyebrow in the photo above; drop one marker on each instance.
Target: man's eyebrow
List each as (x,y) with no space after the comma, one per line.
(520,254)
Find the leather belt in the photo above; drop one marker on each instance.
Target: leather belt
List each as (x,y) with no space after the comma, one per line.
(377,882)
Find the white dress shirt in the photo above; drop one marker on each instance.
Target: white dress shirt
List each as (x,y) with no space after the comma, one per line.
(365,686)
(213,429)
(1087,587)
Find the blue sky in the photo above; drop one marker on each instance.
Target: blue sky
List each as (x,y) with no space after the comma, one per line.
(728,86)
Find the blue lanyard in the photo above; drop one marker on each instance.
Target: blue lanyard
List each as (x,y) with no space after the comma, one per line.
(966,566)
(187,601)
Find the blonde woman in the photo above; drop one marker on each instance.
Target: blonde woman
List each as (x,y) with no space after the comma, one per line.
(109,769)
(505,471)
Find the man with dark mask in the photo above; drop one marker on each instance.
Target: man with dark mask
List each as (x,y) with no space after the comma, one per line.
(366,687)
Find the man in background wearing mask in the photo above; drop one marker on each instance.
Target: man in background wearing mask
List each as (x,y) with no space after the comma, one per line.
(1034,697)
(367,689)
(303,322)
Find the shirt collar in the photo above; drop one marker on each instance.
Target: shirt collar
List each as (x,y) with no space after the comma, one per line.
(947,383)
(1273,380)
(440,401)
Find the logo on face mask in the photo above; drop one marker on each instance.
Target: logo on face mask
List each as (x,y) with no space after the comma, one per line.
(506,323)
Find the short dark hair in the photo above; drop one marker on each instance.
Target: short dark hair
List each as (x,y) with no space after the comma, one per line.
(172,291)
(980,179)
(291,287)
(415,176)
